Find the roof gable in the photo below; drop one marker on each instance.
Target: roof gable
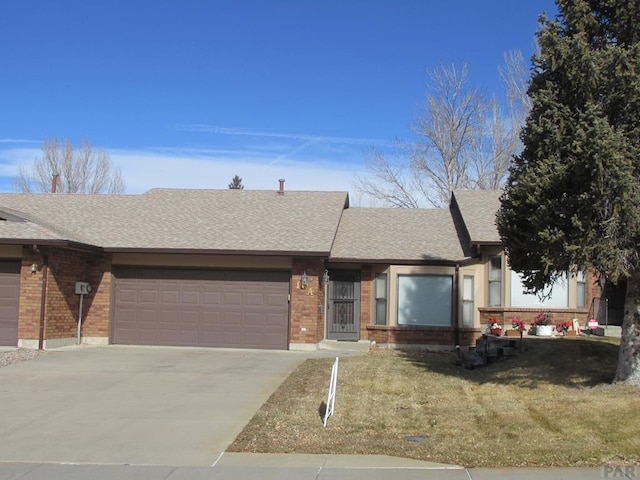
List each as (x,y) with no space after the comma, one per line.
(397,235)
(477,209)
(215,220)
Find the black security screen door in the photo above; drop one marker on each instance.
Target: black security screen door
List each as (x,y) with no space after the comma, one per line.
(344,306)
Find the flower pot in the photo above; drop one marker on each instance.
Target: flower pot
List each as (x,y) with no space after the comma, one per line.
(512,333)
(496,331)
(544,330)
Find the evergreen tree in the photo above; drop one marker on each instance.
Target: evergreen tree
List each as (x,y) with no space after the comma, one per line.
(572,200)
(236,183)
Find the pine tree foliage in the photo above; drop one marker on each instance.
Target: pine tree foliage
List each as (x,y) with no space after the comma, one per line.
(236,183)
(572,199)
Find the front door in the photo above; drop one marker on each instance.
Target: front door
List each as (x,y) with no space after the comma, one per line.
(343,319)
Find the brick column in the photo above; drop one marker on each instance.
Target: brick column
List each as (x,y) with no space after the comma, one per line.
(307,319)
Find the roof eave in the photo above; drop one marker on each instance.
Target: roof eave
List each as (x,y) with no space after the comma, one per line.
(207,251)
(491,243)
(401,261)
(50,243)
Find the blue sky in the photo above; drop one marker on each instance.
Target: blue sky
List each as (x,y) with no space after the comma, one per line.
(189,93)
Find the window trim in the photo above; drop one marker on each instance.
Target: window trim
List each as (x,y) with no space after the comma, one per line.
(380,300)
(499,281)
(581,281)
(449,277)
(468,323)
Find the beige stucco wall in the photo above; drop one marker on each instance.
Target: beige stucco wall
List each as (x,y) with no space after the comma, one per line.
(205,261)
(10,251)
(392,284)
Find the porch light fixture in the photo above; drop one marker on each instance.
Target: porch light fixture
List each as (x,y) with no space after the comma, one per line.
(34,268)
(325,277)
(304,280)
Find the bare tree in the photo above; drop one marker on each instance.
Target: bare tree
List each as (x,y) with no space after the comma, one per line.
(463,139)
(79,169)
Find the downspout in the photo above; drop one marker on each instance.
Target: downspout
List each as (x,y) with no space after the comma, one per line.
(43,301)
(456,295)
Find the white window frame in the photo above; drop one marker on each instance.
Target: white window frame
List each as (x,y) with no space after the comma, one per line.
(494,279)
(381,285)
(468,300)
(581,289)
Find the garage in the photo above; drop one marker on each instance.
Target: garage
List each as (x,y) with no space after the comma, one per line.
(204,308)
(9,301)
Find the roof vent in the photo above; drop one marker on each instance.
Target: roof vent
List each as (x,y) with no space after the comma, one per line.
(281,191)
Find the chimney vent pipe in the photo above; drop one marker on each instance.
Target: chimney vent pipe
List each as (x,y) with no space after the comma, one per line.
(281,191)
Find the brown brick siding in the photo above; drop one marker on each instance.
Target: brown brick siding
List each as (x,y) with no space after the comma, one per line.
(366,301)
(505,315)
(65,267)
(422,335)
(306,313)
(30,296)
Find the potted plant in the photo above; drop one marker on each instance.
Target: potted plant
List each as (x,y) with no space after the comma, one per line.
(563,327)
(544,324)
(494,327)
(517,328)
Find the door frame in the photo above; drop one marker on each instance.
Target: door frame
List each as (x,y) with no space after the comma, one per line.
(336,277)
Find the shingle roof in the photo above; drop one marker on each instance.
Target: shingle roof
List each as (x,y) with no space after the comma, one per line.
(397,234)
(478,209)
(229,220)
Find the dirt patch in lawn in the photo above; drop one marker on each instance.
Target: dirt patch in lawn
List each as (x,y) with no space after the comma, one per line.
(552,405)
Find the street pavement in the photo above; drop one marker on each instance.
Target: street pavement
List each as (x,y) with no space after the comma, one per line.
(302,467)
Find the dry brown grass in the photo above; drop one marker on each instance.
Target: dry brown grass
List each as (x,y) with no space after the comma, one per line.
(551,405)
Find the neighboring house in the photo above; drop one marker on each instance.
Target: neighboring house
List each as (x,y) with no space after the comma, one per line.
(254,269)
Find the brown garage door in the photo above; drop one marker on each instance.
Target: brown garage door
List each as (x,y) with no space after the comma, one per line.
(9,298)
(205,308)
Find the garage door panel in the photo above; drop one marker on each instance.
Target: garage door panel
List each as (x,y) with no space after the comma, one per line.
(232,298)
(272,320)
(211,298)
(275,299)
(168,317)
(169,297)
(148,296)
(210,320)
(128,296)
(254,299)
(190,297)
(202,308)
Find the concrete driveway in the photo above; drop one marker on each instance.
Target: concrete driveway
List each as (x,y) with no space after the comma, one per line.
(134,405)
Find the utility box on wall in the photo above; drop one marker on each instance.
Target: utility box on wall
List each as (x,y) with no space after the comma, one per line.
(83,288)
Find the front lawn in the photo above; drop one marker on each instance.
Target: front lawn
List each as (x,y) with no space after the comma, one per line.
(550,405)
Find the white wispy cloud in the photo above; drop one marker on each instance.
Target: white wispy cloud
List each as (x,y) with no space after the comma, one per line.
(145,170)
(254,132)
(18,140)
(260,157)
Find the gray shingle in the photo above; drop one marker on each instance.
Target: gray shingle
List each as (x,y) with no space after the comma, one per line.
(397,234)
(478,209)
(233,220)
